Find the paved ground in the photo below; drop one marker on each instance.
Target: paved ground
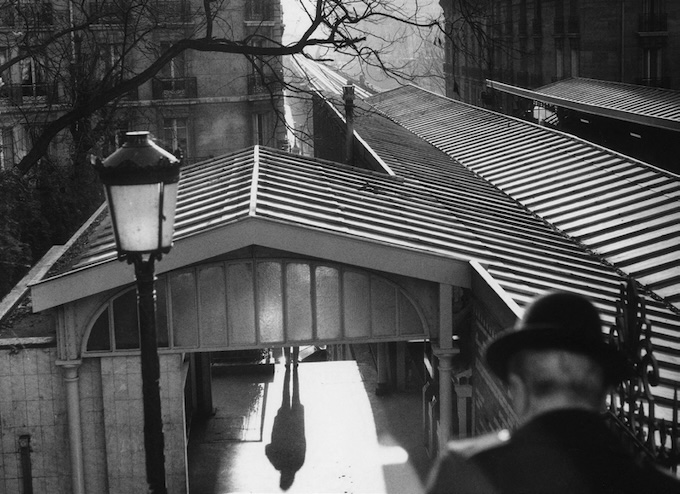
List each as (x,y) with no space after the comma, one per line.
(338,438)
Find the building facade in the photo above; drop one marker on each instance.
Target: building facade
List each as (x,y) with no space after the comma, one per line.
(531,43)
(440,237)
(200,103)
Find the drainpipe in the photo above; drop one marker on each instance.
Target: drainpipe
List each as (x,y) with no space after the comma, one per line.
(70,368)
(26,467)
(348,97)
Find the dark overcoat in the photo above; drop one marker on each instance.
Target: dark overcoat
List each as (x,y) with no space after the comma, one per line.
(567,451)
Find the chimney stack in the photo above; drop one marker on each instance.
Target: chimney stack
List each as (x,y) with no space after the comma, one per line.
(348,96)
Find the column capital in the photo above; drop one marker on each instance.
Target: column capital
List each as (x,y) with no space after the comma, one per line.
(440,352)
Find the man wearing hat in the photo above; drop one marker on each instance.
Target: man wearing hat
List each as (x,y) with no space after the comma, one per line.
(557,369)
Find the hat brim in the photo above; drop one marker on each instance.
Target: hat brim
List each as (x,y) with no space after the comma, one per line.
(499,352)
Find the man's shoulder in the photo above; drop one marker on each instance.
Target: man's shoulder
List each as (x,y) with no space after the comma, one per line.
(475,445)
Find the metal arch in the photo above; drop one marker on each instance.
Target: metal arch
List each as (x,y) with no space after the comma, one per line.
(400,294)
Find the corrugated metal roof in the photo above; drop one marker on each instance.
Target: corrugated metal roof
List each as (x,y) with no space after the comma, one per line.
(325,79)
(434,205)
(266,183)
(640,104)
(625,210)
(211,194)
(528,255)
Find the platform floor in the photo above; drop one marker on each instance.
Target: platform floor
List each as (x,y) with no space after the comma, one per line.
(344,439)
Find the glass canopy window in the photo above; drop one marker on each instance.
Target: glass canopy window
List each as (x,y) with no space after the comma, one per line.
(260,303)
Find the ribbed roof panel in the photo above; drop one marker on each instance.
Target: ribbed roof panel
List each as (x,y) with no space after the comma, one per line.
(595,196)
(635,99)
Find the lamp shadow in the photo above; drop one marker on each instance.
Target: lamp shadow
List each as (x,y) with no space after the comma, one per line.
(288,446)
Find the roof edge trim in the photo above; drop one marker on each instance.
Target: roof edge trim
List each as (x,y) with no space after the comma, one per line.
(602,111)
(497,288)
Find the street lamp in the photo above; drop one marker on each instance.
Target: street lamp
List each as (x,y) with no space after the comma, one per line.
(140,180)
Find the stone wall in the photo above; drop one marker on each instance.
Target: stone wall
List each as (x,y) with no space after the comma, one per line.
(123,421)
(32,402)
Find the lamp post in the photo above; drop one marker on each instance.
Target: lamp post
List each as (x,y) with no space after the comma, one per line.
(140,181)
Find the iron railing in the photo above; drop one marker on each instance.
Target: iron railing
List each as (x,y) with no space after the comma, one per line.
(632,406)
(265,82)
(116,11)
(19,94)
(174,88)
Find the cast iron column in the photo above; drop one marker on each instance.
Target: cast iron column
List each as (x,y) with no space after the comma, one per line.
(153,419)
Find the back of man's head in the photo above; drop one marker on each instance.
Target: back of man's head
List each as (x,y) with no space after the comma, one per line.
(549,379)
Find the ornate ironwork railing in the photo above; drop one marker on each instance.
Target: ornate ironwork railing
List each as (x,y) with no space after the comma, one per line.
(632,406)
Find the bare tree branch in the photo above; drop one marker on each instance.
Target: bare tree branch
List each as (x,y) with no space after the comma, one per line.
(335,25)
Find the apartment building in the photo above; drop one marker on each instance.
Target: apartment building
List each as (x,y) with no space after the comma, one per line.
(531,43)
(201,103)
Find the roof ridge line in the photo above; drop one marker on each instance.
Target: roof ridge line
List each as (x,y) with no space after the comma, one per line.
(252,208)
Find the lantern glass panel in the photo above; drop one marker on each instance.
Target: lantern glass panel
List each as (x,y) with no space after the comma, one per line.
(136,213)
(168,222)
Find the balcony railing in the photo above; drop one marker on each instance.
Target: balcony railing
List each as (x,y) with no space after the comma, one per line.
(108,12)
(27,14)
(173,10)
(264,83)
(20,94)
(162,11)
(653,23)
(174,88)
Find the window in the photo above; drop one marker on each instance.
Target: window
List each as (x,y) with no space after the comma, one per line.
(35,12)
(176,134)
(654,17)
(4,57)
(652,66)
(258,10)
(109,60)
(176,68)
(32,72)
(261,129)
(653,6)
(574,56)
(6,148)
(559,58)
(5,79)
